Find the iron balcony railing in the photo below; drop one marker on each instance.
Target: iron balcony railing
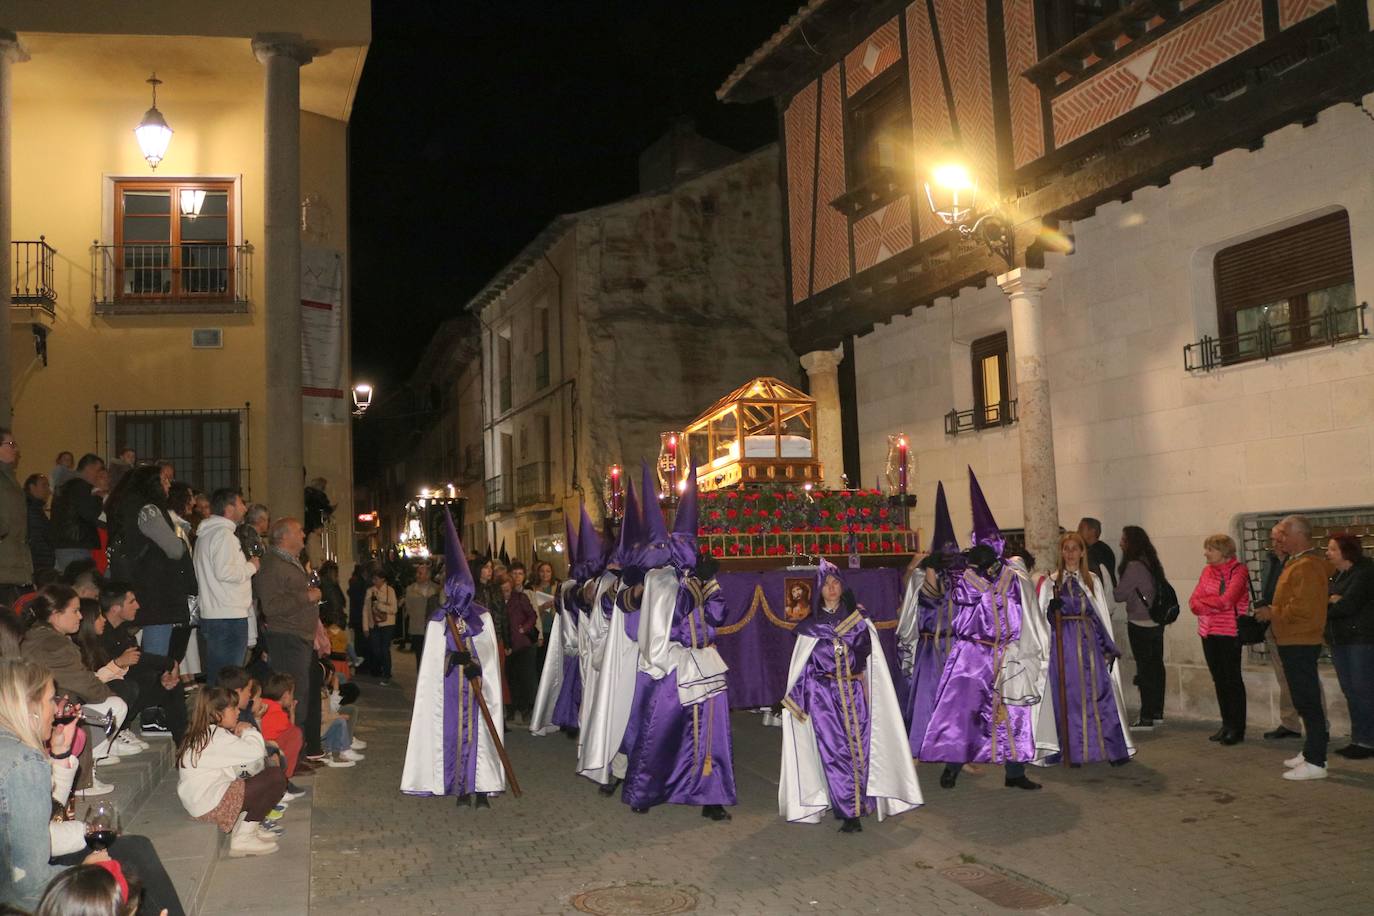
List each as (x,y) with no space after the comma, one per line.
(532,484)
(967,421)
(1326,329)
(33,275)
(498,495)
(187,277)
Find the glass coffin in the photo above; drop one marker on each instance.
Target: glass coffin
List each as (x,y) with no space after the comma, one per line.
(762,432)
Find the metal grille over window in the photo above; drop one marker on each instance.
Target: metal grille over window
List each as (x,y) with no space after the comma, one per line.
(208,448)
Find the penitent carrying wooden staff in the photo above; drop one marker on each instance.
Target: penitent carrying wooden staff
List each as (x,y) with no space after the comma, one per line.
(449,752)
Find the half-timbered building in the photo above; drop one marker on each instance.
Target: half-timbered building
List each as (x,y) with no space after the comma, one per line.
(1147,306)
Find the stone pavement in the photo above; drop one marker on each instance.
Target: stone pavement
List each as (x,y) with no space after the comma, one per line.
(1188,827)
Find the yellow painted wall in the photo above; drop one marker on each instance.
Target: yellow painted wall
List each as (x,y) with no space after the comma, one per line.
(64,144)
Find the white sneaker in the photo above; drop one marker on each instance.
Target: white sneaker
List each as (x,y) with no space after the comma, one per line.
(351,754)
(338,762)
(109,759)
(1295,761)
(126,747)
(358,745)
(1306,770)
(244,843)
(97,788)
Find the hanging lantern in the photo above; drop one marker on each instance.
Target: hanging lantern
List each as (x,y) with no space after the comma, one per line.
(192,199)
(152,132)
(362,398)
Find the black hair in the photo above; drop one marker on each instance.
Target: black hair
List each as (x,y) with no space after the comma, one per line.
(112,594)
(223,498)
(232,677)
(87,460)
(1137,546)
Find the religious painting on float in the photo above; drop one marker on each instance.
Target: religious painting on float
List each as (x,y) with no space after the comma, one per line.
(798,592)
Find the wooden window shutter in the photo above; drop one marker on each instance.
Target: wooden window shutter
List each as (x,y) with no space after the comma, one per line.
(1300,259)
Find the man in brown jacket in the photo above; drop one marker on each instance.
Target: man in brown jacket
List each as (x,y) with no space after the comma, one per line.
(291,614)
(1298,617)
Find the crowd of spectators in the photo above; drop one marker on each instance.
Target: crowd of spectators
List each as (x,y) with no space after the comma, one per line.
(135,608)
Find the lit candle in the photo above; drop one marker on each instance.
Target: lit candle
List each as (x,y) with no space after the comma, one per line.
(901,464)
(616,508)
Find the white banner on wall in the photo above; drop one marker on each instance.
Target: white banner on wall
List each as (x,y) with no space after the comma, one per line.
(322,383)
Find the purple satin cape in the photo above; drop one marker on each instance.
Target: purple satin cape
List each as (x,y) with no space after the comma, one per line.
(680,755)
(932,651)
(565,710)
(830,691)
(968,724)
(1093,732)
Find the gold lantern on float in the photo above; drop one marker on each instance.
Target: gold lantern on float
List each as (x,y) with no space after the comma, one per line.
(762,432)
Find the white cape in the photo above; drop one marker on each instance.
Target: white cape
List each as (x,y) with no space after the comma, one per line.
(560,642)
(803,796)
(1045,720)
(615,660)
(423,773)
(700,671)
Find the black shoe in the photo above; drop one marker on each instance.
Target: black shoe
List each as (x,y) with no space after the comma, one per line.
(1281,732)
(1221,733)
(640,810)
(948,777)
(715,812)
(481,801)
(1022,782)
(571,733)
(1119,763)
(1143,724)
(1356,752)
(609,788)
(852,825)
(1231,738)
(464,800)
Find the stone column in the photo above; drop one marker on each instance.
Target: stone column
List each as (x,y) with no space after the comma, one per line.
(1024,286)
(282,57)
(10,52)
(822,368)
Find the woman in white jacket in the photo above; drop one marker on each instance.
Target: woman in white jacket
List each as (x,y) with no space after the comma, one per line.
(222,776)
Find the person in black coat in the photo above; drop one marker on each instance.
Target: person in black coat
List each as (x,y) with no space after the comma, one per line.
(37,491)
(1350,633)
(147,552)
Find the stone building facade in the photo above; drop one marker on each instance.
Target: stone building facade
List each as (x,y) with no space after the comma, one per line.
(619,323)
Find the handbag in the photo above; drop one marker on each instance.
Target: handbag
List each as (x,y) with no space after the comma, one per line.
(1250,629)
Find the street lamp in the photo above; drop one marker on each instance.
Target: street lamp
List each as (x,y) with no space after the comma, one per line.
(362,398)
(152,132)
(952,194)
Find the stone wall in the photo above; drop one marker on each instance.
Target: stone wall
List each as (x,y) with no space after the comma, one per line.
(681,299)
(1138,439)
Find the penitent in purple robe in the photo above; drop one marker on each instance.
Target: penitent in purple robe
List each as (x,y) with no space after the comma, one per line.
(568,707)
(933,641)
(1085,707)
(680,754)
(970,722)
(830,692)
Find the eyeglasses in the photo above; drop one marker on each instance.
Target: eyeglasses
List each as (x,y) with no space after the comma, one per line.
(9,442)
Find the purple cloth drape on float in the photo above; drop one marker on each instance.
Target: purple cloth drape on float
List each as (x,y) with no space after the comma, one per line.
(756,639)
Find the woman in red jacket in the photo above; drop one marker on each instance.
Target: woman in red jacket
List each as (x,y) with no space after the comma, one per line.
(1222,594)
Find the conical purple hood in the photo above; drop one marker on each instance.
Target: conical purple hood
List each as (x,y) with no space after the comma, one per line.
(591,553)
(684,536)
(985,530)
(943,539)
(630,535)
(458,585)
(656,549)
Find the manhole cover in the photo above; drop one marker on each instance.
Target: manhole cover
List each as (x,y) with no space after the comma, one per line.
(1007,892)
(636,900)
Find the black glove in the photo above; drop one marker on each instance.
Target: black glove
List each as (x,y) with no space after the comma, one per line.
(632,576)
(450,662)
(938,561)
(707,567)
(777,709)
(463,656)
(1056,605)
(472,672)
(981,557)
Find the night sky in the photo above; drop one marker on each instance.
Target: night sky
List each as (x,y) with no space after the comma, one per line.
(477,123)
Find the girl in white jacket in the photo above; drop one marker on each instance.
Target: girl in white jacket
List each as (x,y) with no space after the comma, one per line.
(222,776)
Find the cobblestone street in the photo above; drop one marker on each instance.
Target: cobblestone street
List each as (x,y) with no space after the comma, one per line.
(1188,827)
